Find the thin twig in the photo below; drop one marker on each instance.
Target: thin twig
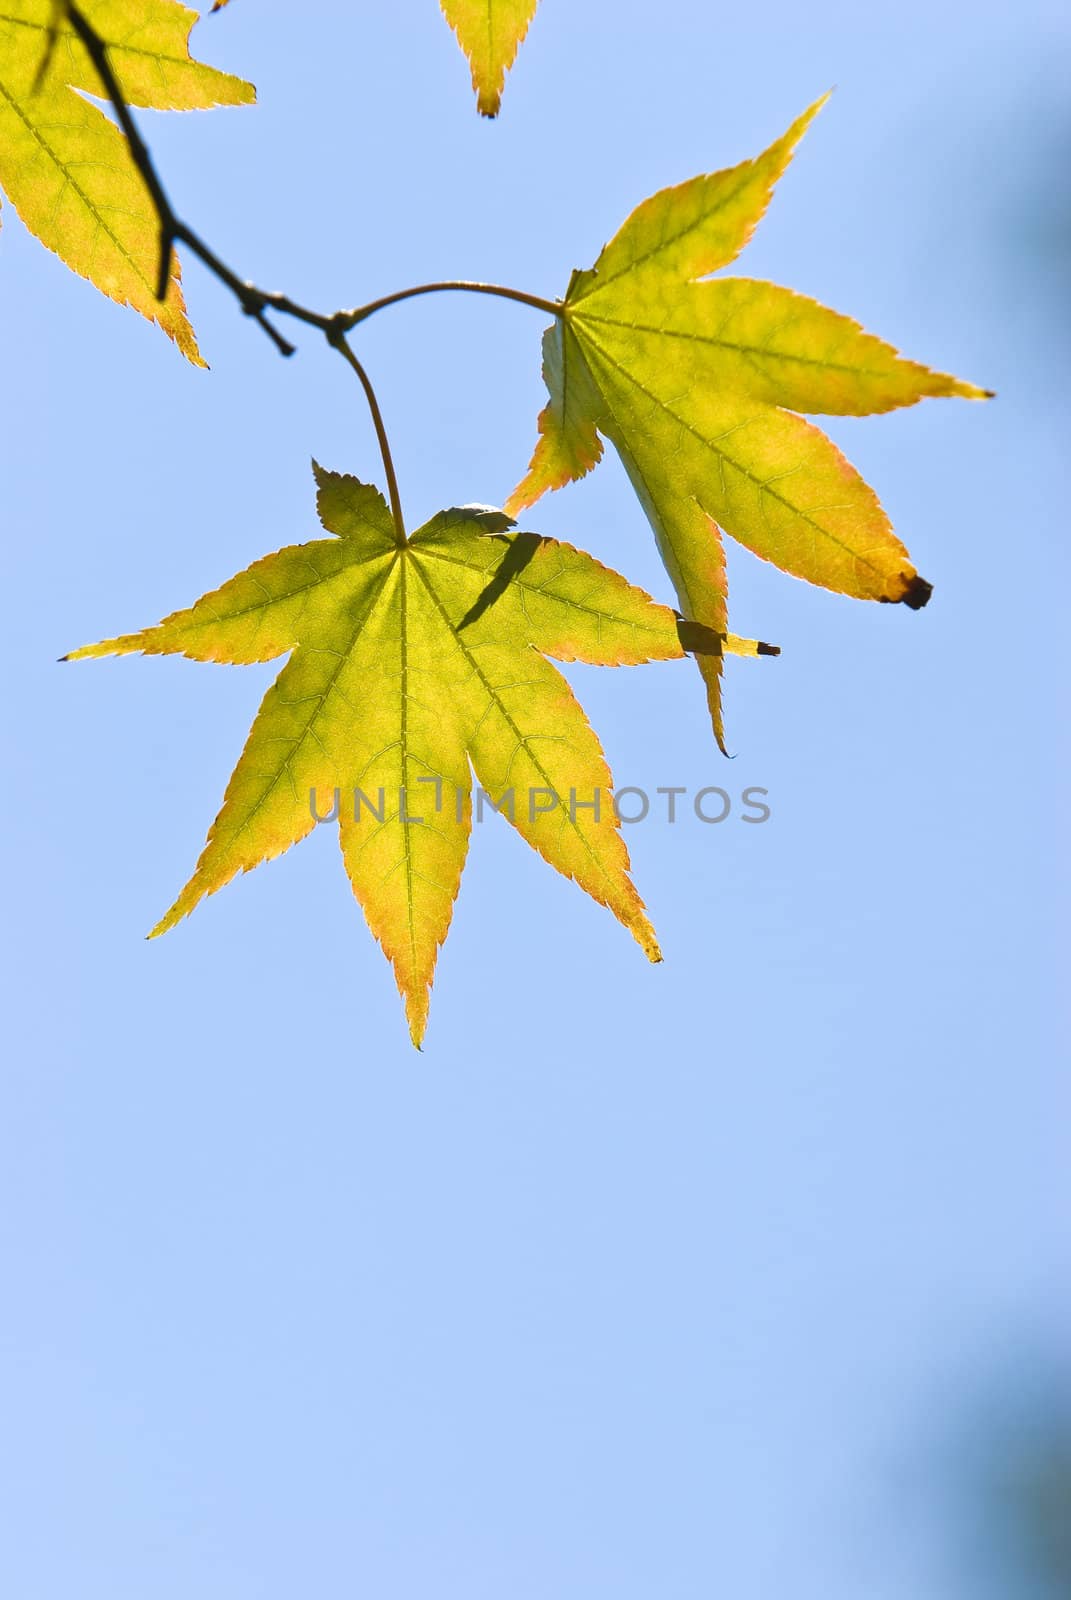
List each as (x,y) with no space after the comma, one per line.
(464,285)
(337,340)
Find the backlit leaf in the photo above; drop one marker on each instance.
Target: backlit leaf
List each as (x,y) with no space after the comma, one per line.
(699,385)
(413,665)
(64,165)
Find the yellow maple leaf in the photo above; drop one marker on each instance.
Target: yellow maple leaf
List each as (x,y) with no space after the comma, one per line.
(412,659)
(67,169)
(699,385)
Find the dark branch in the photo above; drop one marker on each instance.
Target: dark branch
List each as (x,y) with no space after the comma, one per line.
(97,51)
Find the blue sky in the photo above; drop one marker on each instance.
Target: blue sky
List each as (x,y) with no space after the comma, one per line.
(715,1278)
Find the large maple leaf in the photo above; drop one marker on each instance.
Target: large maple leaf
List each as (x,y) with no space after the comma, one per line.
(490,32)
(699,386)
(411,659)
(67,169)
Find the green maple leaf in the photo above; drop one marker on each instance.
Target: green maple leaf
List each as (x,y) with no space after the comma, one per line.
(490,32)
(67,169)
(411,659)
(699,385)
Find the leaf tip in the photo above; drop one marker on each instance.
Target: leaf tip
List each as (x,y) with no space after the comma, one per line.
(762,649)
(812,111)
(169,919)
(416,1013)
(969,391)
(917,593)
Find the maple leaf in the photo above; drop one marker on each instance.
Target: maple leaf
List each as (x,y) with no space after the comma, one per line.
(64,165)
(411,659)
(490,32)
(698,384)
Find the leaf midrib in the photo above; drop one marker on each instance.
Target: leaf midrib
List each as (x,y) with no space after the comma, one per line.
(344,655)
(747,350)
(114,47)
(737,466)
(291,594)
(521,738)
(601,283)
(94,212)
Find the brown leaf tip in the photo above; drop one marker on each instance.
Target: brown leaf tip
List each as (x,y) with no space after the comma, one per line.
(768,649)
(917,593)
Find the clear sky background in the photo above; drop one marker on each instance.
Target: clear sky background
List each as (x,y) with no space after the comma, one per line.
(744,1275)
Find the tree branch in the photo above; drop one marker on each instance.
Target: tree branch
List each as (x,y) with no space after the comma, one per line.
(97,51)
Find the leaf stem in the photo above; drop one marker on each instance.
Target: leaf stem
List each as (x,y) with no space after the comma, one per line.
(337,340)
(464,285)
